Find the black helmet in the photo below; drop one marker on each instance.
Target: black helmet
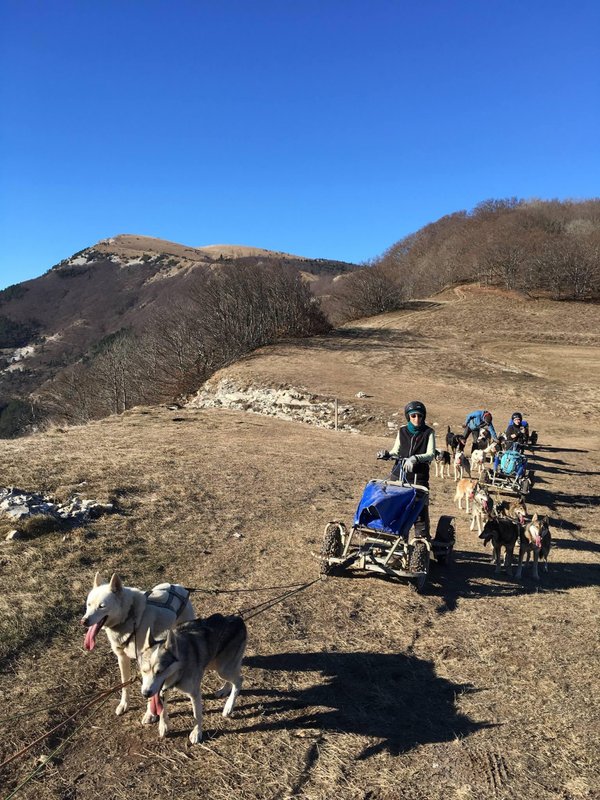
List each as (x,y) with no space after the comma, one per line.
(415,406)
(517,415)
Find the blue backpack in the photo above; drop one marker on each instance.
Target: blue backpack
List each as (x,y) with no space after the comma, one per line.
(512,463)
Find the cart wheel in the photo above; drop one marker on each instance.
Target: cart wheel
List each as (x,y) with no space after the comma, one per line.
(445,535)
(419,562)
(332,546)
(525,486)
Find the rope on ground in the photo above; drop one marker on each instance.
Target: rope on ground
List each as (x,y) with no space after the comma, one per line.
(266,604)
(104,695)
(235,591)
(56,750)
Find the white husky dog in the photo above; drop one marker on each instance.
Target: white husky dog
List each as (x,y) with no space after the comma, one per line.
(128,615)
(180,661)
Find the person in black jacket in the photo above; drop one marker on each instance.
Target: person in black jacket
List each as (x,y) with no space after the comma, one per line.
(414,450)
(516,433)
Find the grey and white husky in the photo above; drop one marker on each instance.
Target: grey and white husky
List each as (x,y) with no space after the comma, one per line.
(128,616)
(180,660)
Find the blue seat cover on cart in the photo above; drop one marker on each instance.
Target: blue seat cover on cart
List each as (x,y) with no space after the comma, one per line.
(388,508)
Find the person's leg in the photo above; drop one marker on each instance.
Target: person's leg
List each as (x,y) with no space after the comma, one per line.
(422,522)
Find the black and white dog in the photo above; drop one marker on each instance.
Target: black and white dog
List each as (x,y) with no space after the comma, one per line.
(442,463)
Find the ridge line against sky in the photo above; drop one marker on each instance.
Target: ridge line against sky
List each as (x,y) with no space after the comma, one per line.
(324,129)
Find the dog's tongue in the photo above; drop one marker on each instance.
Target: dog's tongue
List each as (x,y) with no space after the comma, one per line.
(90,636)
(156,706)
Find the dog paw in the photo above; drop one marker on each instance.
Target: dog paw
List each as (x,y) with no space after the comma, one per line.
(225,689)
(228,707)
(163,729)
(149,718)
(195,736)
(121,708)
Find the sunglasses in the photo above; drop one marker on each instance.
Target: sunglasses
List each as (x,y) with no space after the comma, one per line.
(415,414)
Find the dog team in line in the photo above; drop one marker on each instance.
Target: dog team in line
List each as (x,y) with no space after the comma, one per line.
(173,649)
(501,523)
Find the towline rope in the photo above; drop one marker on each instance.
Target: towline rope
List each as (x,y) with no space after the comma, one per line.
(266,604)
(56,750)
(104,695)
(235,591)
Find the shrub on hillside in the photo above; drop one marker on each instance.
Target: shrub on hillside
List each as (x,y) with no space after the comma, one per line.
(16,417)
(537,247)
(227,313)
(17,334)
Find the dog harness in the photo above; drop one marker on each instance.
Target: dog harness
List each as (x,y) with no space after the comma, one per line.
(175,601)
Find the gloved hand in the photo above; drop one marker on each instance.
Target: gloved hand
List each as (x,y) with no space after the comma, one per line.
(383,454)
(409,464)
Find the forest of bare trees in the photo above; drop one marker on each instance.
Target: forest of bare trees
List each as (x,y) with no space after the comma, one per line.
(540,248)
(227,313)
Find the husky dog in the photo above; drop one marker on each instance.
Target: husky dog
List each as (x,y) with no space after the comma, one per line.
(442,462)
(128,615)
(477,460)
(181,659)
(503,533)
(517,510)
(454,441)
(483,506)
(464,488)
(461,465)
(535,538)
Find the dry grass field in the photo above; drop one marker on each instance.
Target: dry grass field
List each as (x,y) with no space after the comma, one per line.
(482,687)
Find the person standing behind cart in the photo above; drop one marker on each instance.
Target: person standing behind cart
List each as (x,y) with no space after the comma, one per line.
(477,421)
(414,450)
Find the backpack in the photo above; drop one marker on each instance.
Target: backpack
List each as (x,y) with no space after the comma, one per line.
(511,462)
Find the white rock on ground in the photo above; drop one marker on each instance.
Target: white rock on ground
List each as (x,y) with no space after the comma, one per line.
(288,403)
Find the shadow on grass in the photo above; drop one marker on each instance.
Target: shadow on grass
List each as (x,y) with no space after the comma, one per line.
(549,449)
(393,697)
(359,339)
(472,575)
(552,498)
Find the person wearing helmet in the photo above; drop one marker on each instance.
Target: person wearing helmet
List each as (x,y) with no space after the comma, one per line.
(476,422)
(414,450)
(517,431)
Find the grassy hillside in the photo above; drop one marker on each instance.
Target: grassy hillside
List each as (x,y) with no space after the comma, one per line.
(357,687)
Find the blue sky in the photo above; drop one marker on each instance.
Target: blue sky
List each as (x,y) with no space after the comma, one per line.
(326,128)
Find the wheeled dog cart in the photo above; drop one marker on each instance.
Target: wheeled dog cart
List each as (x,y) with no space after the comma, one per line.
(380,539)
(509,474)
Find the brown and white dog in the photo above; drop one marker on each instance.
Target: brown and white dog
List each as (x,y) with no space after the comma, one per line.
(535,538)
(517,510)
(503,534)
(465,488)
(442,463)
(483,506)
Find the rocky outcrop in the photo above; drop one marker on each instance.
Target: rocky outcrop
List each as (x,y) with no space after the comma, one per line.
(285,403)
(20,505)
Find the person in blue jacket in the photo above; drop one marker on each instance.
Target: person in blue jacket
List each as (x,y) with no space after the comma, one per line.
(477,421)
